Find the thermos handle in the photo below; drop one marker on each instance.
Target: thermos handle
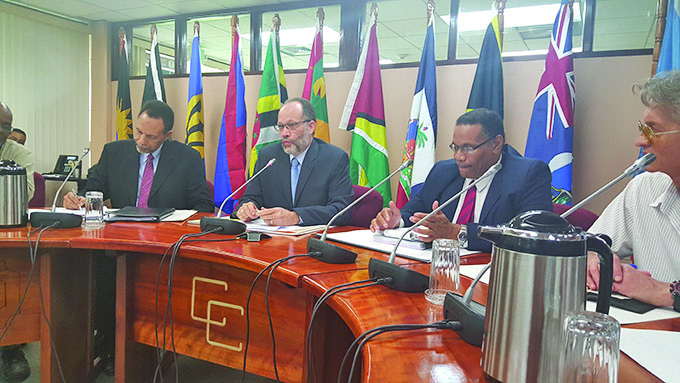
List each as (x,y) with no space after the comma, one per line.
(598,245)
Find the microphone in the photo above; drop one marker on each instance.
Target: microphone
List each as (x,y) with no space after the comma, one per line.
(64,220)
(330,253)
(228,226)
(638,166)
(408,280)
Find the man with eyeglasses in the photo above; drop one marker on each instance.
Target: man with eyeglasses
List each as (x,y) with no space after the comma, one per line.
(521,185)
(644,220)
(309,182)
(15,366)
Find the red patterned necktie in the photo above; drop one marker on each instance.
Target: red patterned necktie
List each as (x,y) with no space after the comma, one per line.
(147,181)
(467,212)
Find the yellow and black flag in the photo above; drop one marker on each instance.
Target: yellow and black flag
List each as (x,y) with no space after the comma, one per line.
(123,104)
(194,136)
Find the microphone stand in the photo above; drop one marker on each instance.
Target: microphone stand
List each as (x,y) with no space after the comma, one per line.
(638,166)
(330,253)
(59,220)
(408,280)
(228,226)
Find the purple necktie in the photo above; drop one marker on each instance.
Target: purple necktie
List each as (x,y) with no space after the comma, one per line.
(147,181)
(467,212)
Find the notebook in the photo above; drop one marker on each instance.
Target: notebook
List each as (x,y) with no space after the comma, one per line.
(140,214)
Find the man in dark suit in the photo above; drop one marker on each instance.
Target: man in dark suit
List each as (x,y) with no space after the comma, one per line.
(149,171)
(521,185)
(309,182)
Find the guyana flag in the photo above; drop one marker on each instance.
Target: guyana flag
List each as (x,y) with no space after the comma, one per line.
(273,94)
(364,115)
(194,133)
(315,86)
(487,87)
(123,104)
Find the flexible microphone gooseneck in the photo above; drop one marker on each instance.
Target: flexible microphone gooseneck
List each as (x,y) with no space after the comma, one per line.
(330,253)
(59,220)
(639,165)
(408,280)
(229,226)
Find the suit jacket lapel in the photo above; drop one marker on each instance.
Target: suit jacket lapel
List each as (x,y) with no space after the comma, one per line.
(453,188)
(130,168)
(282,168)
(165,165)
(494,193)
(307,168)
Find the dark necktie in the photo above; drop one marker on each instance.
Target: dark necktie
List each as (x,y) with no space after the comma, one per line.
(467,212)
(147,181)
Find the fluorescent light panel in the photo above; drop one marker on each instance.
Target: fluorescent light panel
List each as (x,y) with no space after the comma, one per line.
(514,17)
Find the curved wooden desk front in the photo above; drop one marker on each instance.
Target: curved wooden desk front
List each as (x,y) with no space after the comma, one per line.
(210,284)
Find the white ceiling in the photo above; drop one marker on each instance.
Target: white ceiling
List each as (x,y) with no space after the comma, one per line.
(127,10)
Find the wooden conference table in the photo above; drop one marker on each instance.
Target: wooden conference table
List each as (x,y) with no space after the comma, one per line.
(209,290)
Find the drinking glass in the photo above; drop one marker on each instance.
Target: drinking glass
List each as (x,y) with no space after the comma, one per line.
(94,210)
(444,270)
(591,348)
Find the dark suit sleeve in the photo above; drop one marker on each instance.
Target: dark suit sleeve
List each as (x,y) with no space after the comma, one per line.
(253,191)
(197,193)
(97,176)
(422,201)
(340,194)
(535,195)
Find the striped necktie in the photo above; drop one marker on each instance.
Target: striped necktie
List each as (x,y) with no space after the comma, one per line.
(467,212)
(147,181)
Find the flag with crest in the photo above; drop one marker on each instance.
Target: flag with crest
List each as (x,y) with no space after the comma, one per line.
(551,130)
(273,94)
(315,85)
(422,127)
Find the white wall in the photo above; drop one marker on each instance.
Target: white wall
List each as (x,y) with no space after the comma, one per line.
(45,80)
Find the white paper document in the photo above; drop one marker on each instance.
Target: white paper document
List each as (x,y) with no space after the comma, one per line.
(179,215)
(656,351)
(364,238)
(626,317)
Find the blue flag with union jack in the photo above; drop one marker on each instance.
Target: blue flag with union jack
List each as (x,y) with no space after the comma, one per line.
(551,133)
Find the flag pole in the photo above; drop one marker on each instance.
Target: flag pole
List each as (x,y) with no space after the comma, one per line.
(661,13)
(430,10)
(501,17)
(197,28)
(321,15)
(276,23)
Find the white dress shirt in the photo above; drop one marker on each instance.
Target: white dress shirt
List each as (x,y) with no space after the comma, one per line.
(644,222)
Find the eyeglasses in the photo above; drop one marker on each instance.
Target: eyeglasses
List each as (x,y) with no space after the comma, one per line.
(467,149)
(649,134)
(291,126)
(6,126)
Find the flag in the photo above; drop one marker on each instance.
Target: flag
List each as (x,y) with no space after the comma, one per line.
(154,89)
(364,115)
(230,167)
(551,133)
(487,87)
(315,85)
(669,56)
(123,104)
(194,134)
(273,94)
(422,126)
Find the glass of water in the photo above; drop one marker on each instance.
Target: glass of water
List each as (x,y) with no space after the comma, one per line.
(444,270)
(591,348)
(94,210)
